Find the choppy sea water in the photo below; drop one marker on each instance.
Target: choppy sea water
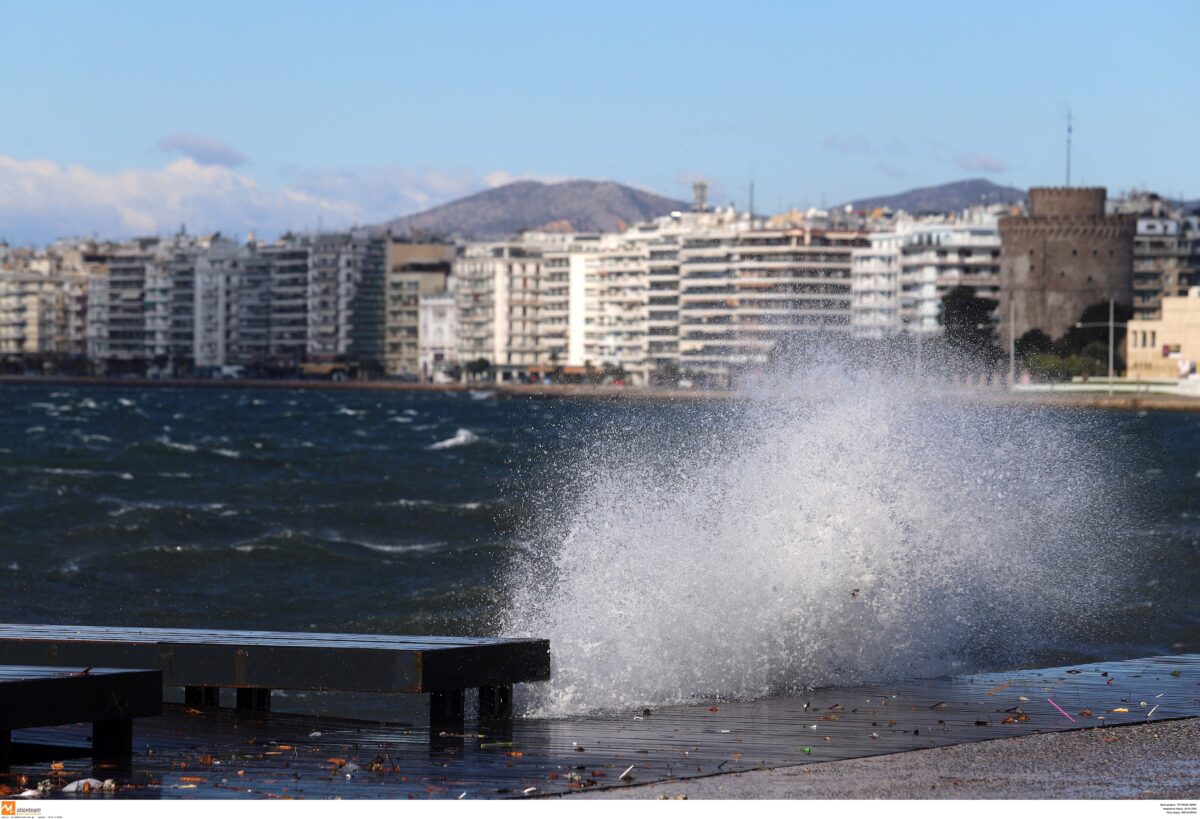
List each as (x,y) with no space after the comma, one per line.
(431,513)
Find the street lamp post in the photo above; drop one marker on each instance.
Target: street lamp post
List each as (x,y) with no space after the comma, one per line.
(1012,341)
(1111,325)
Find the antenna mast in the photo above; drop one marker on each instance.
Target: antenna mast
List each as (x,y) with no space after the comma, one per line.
(1068,147)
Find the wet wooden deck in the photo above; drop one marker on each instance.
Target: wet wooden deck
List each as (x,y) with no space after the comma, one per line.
(218,752)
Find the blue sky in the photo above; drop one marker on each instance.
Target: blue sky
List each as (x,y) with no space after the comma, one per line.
(129,117)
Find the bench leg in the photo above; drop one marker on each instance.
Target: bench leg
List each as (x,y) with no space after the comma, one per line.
(446,707)
(496,702)
(201,695)
(254,699)
(112,737)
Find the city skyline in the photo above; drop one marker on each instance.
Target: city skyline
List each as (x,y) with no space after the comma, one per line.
(277,117)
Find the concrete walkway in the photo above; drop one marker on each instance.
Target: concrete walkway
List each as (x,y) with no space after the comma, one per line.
(1155,761)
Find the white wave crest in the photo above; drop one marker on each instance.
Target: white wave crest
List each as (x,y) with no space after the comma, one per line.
(401,548)
(463,437)
(169,444)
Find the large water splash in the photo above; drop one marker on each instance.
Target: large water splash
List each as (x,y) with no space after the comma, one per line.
(842,529)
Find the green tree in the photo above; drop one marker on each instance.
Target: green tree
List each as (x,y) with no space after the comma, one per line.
(1092,340)
(1033,342)
(966,320)
(478,367)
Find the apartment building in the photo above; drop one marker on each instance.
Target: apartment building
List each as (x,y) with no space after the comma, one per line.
(437,336)
(615,307)
(935,259)
(1166,261)
(497,293)
(561,322)
(901,275)
(331,284)
(1166,250)
(286,261)
(743,292)
(875,286)
(249,296)
(218,302)
(128,301)
(42,314)
(415,271)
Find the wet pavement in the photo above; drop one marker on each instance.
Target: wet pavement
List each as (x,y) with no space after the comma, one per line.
(220,752)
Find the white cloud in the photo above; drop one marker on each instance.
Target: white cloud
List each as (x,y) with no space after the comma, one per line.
(381,193)
(42,200)
(205,150)
(497,179)
(981,163)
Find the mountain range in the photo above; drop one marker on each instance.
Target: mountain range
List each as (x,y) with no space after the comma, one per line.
(953,196)
(577,205)
(586,206)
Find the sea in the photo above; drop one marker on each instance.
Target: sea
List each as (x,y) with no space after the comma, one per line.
(828,533)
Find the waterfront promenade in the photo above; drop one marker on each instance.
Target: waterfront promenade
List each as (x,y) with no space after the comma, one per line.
(973,735)
(1076,400)
(1155,761)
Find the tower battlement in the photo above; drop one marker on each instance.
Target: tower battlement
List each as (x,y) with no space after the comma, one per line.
(1059,202)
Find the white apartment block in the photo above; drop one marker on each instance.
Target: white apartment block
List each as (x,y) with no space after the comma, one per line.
(560,329)
(900,279)
(215,303)
(437,334)
(709,291)
(497,287)
(615,307)
(875,287)
(743,292)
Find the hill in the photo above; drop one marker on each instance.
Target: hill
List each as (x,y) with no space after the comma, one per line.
(579,205)
(953,196)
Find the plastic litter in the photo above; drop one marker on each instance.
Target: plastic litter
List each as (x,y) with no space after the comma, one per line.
(1064,713)
(83,786)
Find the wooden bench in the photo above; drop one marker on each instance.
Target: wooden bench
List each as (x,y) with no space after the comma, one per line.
(256,662)
(109,698)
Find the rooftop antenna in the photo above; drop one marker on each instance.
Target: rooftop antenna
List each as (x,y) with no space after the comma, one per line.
(1068,147)
(751,194)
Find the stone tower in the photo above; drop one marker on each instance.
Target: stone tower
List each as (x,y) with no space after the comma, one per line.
(1063,257)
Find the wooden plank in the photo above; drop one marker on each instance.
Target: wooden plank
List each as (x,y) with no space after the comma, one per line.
(38,697)
(276,660)
(388,642)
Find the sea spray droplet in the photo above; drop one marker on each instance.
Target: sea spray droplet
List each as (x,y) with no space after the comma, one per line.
(669,567)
